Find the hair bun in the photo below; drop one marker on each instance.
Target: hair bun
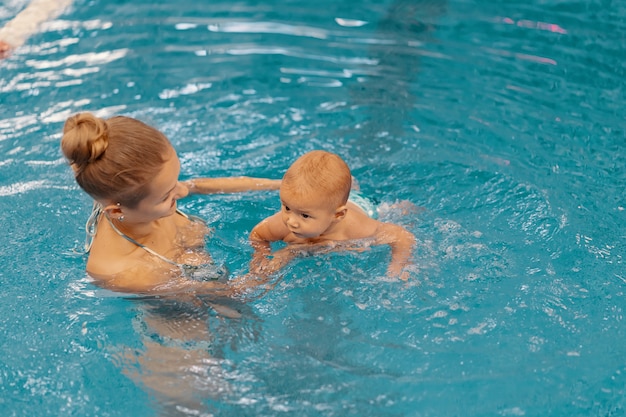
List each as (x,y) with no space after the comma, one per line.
(85,138)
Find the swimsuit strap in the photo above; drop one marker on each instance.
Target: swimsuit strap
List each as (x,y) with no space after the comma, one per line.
(92,225)
(144,247)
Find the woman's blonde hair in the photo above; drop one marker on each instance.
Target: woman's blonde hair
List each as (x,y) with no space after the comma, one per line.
(114,159)
(323,172)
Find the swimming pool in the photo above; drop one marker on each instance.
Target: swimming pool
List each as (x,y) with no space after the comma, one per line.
(502,120)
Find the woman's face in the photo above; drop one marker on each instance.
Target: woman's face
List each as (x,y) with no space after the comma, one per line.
(164,190)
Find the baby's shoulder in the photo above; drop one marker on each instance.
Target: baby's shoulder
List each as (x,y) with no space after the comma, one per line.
(359,225)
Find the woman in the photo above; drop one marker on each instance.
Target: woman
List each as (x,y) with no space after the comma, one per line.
(141,243)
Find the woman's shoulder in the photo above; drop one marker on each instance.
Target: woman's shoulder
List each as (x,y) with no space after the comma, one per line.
(110,255)
(105,260)
(130,277)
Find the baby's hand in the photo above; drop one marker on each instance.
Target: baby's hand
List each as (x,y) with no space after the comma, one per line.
(398,271)
(268,264)
(404,276)
(263,265)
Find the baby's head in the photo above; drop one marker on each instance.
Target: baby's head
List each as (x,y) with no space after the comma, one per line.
(319,175)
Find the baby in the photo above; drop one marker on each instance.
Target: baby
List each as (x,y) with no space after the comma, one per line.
(317,215)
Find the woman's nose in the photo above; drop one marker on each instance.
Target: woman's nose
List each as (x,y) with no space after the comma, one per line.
(181,191)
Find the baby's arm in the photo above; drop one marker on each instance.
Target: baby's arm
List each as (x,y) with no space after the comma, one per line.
(272,229)
(402,243)
(230,185)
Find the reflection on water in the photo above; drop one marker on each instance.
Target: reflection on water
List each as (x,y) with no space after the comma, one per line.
(181,360)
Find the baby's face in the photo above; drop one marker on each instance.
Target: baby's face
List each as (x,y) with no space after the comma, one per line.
(306,217)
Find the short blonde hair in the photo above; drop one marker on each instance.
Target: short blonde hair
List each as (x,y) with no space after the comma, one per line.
(320,171)
(114,159)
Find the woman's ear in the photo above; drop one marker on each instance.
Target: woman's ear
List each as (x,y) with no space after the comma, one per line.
(114,211)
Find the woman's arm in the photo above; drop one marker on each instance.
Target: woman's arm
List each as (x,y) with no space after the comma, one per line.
(230,185)
(153,281)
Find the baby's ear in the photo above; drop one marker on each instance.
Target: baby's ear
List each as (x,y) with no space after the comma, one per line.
(341,212)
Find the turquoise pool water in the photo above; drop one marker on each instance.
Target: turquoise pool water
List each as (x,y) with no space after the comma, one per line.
(502,120)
